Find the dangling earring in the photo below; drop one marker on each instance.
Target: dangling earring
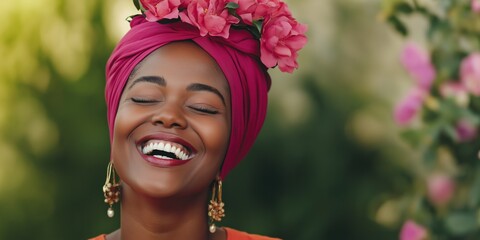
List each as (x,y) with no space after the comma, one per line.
(215,208)
(111,190)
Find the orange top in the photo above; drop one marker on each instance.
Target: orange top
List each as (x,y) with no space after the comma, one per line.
(232,234)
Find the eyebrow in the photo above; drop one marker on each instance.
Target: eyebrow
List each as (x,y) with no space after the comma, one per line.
(192,87)
(203,87)
(151,79)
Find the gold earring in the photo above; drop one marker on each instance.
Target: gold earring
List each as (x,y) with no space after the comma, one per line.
(215,208)
(111,190)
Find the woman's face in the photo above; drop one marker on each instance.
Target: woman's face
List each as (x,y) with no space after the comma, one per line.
(173,123)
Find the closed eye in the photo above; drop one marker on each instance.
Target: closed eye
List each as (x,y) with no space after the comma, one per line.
(204,109)
(143,100)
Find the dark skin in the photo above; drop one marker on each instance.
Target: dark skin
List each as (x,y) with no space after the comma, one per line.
(177,94)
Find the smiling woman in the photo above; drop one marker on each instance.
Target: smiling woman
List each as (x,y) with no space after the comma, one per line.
(184,107)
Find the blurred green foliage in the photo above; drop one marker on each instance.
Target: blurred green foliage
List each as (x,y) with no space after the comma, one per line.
(324,164)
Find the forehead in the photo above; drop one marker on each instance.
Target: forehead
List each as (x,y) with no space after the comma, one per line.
(181,61)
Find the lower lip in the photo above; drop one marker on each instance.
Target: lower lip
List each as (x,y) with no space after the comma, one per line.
(163,163)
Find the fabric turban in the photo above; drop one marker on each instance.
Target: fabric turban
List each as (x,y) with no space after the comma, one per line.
(237,56)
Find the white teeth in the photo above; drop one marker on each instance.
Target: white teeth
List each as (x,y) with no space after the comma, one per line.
(179,151)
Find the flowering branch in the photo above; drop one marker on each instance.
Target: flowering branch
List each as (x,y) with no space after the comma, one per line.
(440,116)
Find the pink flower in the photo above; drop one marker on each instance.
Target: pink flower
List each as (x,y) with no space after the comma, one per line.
(252,10)
(409,107)
(268,7)
(470,73)
(417,62)
(455,90)
(161,9)
(412,231)
(440,189)
(184,4)
(210,16)
(282,38)
(246,9)
(476,6)
(466,130)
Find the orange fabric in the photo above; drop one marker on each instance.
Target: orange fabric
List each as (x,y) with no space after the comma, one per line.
(101,237)
(232,234)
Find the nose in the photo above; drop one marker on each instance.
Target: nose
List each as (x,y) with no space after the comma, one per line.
(170,116)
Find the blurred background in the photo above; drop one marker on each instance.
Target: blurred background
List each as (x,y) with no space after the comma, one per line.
(324,167)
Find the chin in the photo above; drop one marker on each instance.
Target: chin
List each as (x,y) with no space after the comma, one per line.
(156,182)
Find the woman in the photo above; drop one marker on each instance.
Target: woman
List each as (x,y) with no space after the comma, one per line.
(186,96)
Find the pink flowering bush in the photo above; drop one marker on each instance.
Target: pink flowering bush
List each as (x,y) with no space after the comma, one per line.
(444,196)
(456,91)
(413,231)
(280,35)
(466,130)
(440,189)
(476,6)
(417,62)
(409,107)
(470,73)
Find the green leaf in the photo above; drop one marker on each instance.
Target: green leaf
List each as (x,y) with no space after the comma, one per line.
(413,137)
(424,11)
(461,223)
(430,156)
(137,4)
(403,8)
(436,26)
(435,129)
(474,198)
(445,4)
(470,116)
(398,25)
(259,25)
(232,5)
(451,132)
(475,103)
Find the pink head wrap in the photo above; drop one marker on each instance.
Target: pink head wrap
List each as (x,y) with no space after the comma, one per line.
(237,56)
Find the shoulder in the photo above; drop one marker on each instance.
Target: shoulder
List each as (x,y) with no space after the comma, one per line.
(233,234)
(101,237)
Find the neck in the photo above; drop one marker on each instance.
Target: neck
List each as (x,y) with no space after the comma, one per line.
(147,218)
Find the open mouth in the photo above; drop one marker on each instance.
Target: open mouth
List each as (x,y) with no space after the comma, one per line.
(166,150)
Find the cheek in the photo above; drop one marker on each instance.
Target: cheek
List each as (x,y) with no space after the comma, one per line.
(216,136)
(122,123)
(125,122)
